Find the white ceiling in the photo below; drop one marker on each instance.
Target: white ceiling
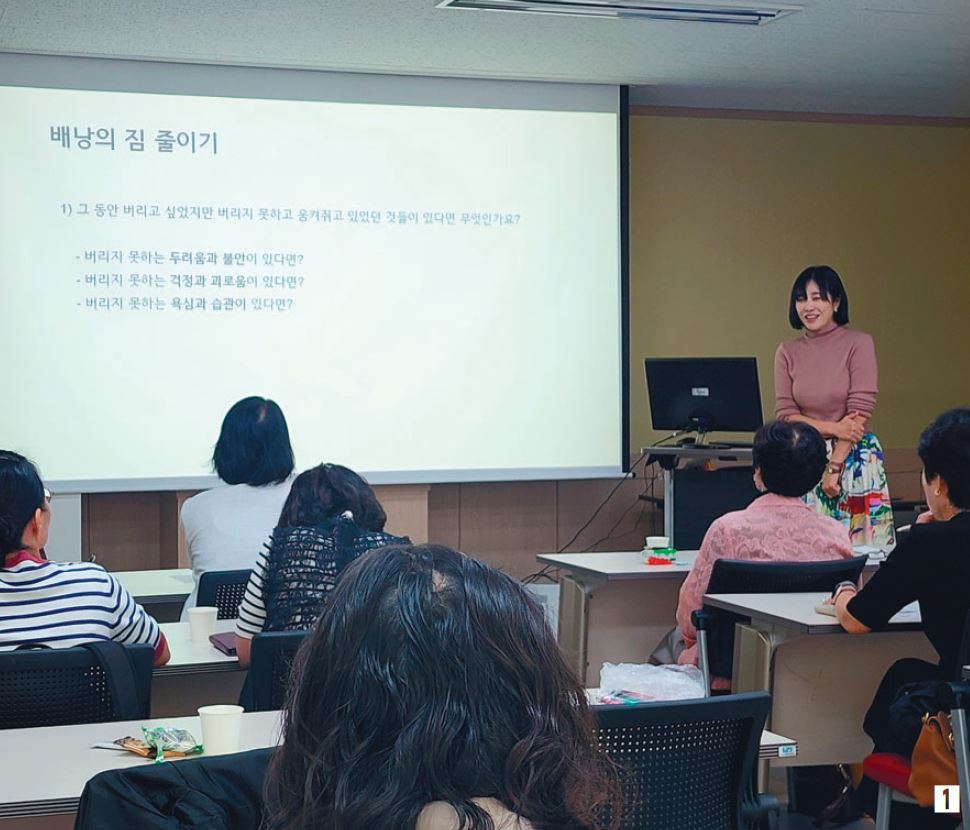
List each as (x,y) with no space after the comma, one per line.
(893,57)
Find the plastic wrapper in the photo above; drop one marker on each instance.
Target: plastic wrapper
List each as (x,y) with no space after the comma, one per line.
(161,742)
(651,682)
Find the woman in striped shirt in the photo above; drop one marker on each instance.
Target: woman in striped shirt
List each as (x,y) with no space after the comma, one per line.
(56,604)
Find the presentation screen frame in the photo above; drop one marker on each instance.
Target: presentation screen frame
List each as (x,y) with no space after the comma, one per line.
(112,75)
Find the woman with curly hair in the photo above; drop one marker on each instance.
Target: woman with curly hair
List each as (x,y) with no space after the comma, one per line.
(431,695)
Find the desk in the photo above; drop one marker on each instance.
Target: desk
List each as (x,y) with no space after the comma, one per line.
(43,771)
(636,605)
(196,675)
(822,680)
(162,593)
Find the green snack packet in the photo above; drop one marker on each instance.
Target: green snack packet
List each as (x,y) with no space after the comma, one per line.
(168,741)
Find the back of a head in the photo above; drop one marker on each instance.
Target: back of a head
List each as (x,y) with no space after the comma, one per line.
(254,444)
(431,676)
(791,456)
(327,490)
(944,449)
(21,494)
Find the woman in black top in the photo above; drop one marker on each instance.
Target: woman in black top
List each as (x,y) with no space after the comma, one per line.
(931,564)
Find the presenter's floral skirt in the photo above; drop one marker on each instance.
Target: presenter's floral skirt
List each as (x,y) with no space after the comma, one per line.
(863,505)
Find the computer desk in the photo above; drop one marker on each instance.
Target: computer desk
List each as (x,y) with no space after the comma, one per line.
(615,608)
(821,679)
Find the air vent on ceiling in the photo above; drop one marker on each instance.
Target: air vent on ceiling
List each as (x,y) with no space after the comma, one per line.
(712,12)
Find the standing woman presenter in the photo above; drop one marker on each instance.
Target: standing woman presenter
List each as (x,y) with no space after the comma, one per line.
(828,378)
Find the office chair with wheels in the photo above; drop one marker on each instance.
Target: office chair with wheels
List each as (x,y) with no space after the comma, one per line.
(688,764)
(94,683)
(715,627)
(269,669)
(224,590)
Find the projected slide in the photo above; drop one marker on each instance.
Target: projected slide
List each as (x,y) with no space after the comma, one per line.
(431,293)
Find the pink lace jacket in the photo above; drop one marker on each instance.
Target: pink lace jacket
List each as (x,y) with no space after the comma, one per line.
(773,529)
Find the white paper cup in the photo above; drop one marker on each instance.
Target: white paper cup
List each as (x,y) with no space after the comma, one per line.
(220,728)
(202,623)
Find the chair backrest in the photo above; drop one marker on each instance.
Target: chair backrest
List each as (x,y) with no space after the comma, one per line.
(224,590)
(685,764)
(222,792)
(738,576)
(271,659)
(56,687)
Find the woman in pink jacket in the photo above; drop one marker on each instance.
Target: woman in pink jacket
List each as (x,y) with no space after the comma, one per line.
(789,457)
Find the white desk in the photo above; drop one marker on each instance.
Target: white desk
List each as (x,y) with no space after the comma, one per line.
(147,587)
(822,680)
(635,605)
(162,593)
(613,607)
(197,673)
(43,771)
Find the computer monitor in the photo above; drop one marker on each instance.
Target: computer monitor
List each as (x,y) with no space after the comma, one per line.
(704,394)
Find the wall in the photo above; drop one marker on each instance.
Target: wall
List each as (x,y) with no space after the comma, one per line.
(726,211)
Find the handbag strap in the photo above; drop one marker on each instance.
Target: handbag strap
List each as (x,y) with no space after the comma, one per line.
(114,661)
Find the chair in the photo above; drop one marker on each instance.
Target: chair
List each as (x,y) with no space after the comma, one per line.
(224,590)
(891,771)
(688,764)
(715,628)
(55,687)
(271,659)
(224,792)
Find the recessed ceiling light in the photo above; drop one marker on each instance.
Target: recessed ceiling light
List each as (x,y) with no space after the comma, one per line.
(711,12)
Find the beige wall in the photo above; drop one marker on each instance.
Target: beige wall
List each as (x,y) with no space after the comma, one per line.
(726,212)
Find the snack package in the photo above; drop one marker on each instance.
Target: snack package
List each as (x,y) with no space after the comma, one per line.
(161,742)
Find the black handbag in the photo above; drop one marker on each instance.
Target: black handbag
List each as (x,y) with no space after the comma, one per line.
(912,702)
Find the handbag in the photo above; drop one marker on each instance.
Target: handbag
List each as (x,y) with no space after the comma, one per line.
(934,760)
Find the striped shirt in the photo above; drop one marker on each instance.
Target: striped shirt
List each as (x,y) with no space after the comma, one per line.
(64,604)
(252,609)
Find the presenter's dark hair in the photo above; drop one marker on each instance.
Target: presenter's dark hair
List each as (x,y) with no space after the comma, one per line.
(21,494)
(830,287)
(327,490)
(791,457)
(944,449)
(431,676)
(254,444)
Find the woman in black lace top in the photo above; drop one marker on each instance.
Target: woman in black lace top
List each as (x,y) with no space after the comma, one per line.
(330,518)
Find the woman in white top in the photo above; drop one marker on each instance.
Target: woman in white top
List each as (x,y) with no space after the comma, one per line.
(225,527)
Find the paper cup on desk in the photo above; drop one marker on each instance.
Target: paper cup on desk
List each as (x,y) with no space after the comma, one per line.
(220,728)
(202,623)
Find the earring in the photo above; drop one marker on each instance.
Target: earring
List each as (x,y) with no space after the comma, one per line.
(936,492)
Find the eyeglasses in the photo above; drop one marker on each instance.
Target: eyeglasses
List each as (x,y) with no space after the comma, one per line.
(47,495)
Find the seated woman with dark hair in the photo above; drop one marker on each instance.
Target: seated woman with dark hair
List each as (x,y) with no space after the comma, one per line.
(430,695)
(225,527)
(931,565)
(330,517)
(789,458)
(56,604)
